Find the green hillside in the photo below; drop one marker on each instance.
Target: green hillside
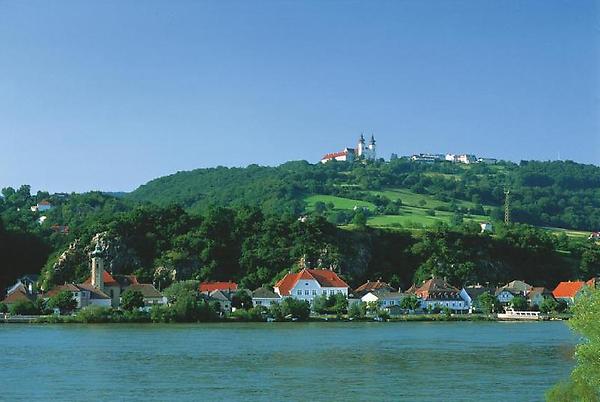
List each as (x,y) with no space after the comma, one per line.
(396,193)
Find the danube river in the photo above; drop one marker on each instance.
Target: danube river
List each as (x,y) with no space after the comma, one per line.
(421,361)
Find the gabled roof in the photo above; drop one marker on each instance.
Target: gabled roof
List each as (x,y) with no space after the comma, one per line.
(69,287)
(107,279)
(95,293)
(211,286)
(17,294)
(436,289)
(519,285)
(146,289)
(538,291)
(264,293)
(567,289)
(594,283)
(126,280)
(220,295)
(387,295)
(334,155)
(369,286)
(324,277)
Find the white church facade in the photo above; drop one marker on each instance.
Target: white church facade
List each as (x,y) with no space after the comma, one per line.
(361,152)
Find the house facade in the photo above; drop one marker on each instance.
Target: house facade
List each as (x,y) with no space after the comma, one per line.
(265,297)
(384,298)
(438,293)
(310,283)
(569,291)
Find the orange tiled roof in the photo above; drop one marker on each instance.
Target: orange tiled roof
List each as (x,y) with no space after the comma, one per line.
(334,155)
(108,279)
(324,277)
(211,286)
(568,289)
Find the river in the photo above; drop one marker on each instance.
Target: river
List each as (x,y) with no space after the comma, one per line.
(420,361)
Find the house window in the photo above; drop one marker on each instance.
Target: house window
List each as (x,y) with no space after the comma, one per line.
(325,292)
(259,302)
(305,283)
(332,292)
(339,291)
(299,293)
(306,292)
(314,292)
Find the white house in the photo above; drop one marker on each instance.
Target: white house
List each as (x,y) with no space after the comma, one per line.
(438,293)
(486,227)
(84,294)
(383,298)
(466,159)
(310,283)
(151,295)
(264,297)
(41,206)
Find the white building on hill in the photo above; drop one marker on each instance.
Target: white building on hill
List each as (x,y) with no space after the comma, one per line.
(361,152)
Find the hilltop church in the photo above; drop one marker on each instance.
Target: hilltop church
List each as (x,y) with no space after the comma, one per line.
(362,152)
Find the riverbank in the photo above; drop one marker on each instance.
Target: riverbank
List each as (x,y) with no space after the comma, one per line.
(120,317)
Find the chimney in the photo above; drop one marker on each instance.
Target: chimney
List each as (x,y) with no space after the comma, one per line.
(98,273)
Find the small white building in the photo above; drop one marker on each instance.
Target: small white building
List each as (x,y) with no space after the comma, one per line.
(438,293)
(264,297)
(310,283)
(486,227)
(384,299)
(41,206)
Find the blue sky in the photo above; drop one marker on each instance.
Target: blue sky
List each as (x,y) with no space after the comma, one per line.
(108,95)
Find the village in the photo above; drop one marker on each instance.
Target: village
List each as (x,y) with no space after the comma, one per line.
(315,289)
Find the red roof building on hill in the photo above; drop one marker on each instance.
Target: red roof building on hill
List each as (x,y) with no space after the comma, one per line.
(212,286)
(568,291)
(309,283)
(107,279)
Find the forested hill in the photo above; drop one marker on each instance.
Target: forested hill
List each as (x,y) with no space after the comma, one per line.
(399,193)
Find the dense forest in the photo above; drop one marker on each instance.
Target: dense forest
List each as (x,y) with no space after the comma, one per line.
(252,225)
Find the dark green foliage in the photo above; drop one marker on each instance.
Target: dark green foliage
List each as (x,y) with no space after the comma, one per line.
(63,301)
(24,307)
(549,305)
(241,300)
(132,300)
(519,303)
(410,302)
(296,309)
(334,304)
(3,308)
(357,310)
(488,303)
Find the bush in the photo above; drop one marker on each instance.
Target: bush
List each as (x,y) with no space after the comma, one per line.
(3,308)
(357,310)
(132,300)
(94,314)
(295,308)
(63,301)
(24,307)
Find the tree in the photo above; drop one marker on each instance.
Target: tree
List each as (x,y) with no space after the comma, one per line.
(276,311)
(23,307)
(359,219)
(340,303)
(519,303)
(132,300)
(3,308)
(410,302)
(488,303)
(63,301)
(242,299)
(584,383)
(299,309)
(357,310)
(548,305)
(320,304)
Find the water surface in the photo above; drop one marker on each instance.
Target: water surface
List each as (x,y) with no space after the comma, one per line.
(463,361)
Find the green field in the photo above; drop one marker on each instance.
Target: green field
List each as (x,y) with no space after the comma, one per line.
(413,213)
(412,216)
(339,203)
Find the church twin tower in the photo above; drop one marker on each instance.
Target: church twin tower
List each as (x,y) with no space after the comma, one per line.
(366,152)
(361,152)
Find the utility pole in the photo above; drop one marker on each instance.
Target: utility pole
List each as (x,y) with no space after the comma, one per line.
(507,206)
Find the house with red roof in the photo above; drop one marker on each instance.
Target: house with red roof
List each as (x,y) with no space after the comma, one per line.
(436,292)
(569,291)
(207,287)
(370,286)
(310,283)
